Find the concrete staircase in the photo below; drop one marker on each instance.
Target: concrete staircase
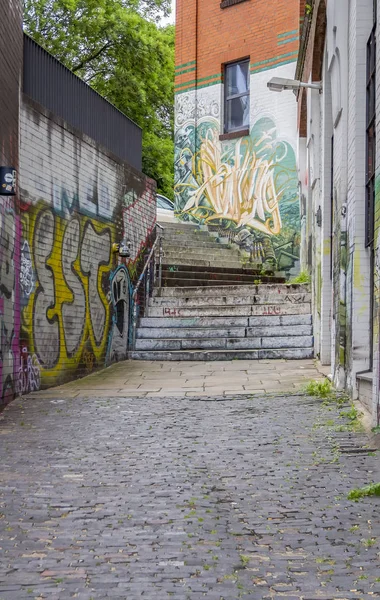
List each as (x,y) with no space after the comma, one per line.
(213,307)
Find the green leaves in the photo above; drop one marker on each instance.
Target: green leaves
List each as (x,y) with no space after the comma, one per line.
(116,47)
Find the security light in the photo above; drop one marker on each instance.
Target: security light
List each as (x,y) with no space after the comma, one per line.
(278,84)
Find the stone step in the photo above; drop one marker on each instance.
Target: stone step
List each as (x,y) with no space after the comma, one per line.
(249,290)
(212,273)
(194,244)
(230,300)
(203,261)
(235,281)
(225,322)
(232,311)
(220,332)
(247,269)
(302,341)
(179,226)
(211,355)
(199,253)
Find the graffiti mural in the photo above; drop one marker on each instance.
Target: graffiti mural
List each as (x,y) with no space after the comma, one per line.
(246,188)
(67,314)
(121,293)
(9,299)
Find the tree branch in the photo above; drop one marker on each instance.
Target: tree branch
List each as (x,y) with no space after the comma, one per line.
(88,59)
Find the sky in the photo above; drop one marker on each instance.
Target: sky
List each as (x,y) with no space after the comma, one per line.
(171,19)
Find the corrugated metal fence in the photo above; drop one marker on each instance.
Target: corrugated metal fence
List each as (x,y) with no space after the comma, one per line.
(51,84)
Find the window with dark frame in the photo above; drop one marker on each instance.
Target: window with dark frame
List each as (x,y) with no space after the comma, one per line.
(371,134)
(236,96)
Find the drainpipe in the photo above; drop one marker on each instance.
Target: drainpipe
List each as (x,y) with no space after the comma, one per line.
(196,75)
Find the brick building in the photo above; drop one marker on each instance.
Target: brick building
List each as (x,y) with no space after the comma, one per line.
(338,172)
(235,141)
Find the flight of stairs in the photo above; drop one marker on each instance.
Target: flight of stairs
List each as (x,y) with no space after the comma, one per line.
(213,307)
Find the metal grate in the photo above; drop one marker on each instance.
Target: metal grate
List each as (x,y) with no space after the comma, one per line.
(51,84)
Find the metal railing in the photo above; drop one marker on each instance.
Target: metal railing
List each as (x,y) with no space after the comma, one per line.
(150,275)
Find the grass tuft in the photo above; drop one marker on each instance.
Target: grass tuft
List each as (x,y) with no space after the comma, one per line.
(373,489)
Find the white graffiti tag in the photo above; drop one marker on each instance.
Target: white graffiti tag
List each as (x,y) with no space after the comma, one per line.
(26,270)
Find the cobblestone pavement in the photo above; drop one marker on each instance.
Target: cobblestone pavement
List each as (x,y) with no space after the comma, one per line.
(185,499)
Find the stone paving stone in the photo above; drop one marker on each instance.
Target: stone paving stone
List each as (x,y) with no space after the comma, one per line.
(223,497)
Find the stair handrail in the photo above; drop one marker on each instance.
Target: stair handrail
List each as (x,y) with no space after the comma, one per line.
(147,270)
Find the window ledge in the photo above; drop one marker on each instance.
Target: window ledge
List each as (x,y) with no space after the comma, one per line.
(234,134)
(227,3)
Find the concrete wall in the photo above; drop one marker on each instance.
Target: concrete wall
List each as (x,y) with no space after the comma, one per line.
(76,201)
(339,261)
(10,69)
(246,187)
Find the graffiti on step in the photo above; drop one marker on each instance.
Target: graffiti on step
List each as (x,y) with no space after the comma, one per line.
(173,269)
(271,310)
(171,312)
(295,299)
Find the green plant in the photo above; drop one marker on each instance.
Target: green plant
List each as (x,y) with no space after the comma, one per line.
(376,429)
(323,389)
(368,543)
(373,489)
(302,277)
(244,559)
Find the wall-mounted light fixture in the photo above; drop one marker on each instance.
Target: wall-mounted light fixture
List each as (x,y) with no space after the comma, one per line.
(7,181)
(123,248)
(318,216)
(279,84)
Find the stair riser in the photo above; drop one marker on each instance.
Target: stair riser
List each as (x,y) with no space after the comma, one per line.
(200,260)
(231,300)
(209,276)
(212,254)
(193,333)
(177,283)
(196,245)
(242,311)
(226,343)
(286,353)
(218,332)
(280,289)
(226,322)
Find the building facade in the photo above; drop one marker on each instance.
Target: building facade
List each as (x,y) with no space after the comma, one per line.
(338,173)
(236,141)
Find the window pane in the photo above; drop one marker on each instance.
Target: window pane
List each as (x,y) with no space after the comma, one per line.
(371,149)
(237,78)
(371,100)
(237,116)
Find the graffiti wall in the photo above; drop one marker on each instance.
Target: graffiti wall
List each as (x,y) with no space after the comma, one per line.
(246,188)
(10,65)
(76,202)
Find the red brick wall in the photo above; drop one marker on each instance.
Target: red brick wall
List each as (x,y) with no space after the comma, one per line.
(249,28)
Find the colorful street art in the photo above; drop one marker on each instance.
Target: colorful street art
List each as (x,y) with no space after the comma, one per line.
(9,299)
(121,296)
(246,188)
(76,292)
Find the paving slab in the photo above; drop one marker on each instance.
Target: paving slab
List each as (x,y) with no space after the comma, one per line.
(144,377)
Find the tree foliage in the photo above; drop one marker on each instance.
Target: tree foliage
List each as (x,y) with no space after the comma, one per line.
(117,47)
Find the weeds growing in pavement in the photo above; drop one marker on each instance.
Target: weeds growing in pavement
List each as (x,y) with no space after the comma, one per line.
(373,489)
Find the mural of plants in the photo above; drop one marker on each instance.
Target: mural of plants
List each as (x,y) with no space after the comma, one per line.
(246,185)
